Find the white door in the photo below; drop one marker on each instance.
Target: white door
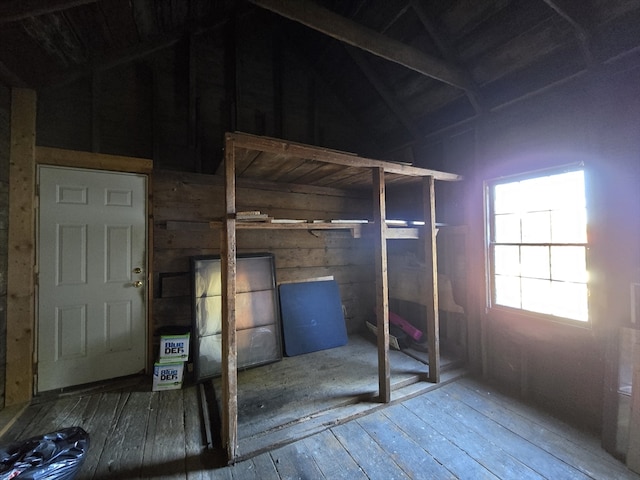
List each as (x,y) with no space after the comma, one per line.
(92,276)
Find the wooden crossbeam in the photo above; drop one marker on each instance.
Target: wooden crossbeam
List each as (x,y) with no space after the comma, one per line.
(352,33)
(16,10)
(576,17)
(387,96)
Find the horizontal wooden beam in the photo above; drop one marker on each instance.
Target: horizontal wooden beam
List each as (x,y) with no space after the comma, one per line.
(575,15)
(387,96)
(16,10)
(100,161)
(347,31)
(298,150)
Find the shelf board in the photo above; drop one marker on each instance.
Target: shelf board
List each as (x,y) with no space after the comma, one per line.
(356,229)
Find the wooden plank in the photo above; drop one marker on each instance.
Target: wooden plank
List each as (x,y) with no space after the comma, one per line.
(567,443)
(98,161)
(264,464)
(124,446)
(295,461)
(255,239)
(21,244)
(368,454)
(333,460)
(16,10)
(347,31)
(413,458)
(437,444)
(382,286)
(431,278)
(390,100)
(541,461)
(299,150)
(101,418)
(478,447)
(164,452)
(229,346)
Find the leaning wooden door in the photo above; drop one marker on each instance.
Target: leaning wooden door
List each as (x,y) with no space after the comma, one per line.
(92,276)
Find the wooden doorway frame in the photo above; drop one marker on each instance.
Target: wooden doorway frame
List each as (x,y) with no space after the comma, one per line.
(22,268)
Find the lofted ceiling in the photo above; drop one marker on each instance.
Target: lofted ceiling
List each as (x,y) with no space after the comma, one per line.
(406,69)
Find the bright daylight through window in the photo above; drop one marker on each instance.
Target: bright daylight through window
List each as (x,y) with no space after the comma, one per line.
(538,244)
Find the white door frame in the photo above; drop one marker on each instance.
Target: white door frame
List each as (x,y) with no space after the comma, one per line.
(97,161)
(137,355)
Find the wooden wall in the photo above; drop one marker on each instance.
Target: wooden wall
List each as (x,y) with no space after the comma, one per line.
(5,130)
(299,255)
(594,120)
(175,104)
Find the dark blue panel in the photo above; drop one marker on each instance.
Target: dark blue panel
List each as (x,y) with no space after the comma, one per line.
(312,317)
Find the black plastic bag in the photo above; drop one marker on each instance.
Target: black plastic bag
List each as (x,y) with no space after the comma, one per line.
(54,456)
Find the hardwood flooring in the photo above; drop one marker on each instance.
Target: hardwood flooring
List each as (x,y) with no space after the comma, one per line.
(461,429)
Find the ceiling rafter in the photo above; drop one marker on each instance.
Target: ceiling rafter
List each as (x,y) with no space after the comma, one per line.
(16,10)
(577,18)
(352,33)
(447,52)
(126,55)
(387,96)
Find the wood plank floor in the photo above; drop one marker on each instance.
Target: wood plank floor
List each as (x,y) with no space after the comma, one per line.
(463,429)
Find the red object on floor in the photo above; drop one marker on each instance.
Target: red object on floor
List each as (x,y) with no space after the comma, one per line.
(406,327)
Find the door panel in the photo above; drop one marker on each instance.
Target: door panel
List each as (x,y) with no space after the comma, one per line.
(91,297)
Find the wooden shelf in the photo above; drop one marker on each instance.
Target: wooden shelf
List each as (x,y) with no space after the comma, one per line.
(356,229)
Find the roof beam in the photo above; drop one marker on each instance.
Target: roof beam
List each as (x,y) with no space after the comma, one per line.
(383,91)
(16,10)
(573,14)
(447,51)
(352,33)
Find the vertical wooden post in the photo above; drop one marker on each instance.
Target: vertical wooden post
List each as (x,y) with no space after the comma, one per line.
(229,347)
(21,247)
(431,277)
(382,286)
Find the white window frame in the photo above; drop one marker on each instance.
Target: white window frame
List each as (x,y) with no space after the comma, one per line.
(491,244)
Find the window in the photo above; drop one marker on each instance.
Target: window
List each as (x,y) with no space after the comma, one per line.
(538,244)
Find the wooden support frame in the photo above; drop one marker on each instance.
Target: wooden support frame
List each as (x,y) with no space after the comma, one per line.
(382,285)
(289,150)
(21,311)
(229,346)
(431,274)
(21,247)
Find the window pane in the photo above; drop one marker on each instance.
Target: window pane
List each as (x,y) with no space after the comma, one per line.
(507,260)
(507,228)
(538,239)
(569,225)
(506,198)
(536,227)
(569,264)
(507,291)
(534,262)
(567,190)
(570,300)
(533,193)
(536,295)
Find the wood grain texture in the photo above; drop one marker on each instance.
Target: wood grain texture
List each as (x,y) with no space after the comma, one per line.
(21,247)
(461,428)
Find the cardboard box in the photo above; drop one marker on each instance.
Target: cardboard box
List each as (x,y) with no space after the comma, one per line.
(174,348)
(167,376)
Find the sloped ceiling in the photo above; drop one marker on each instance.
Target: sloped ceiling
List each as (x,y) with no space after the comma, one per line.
(406,68)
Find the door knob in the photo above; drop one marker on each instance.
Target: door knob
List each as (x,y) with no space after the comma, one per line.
(137,270)
(137,283)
